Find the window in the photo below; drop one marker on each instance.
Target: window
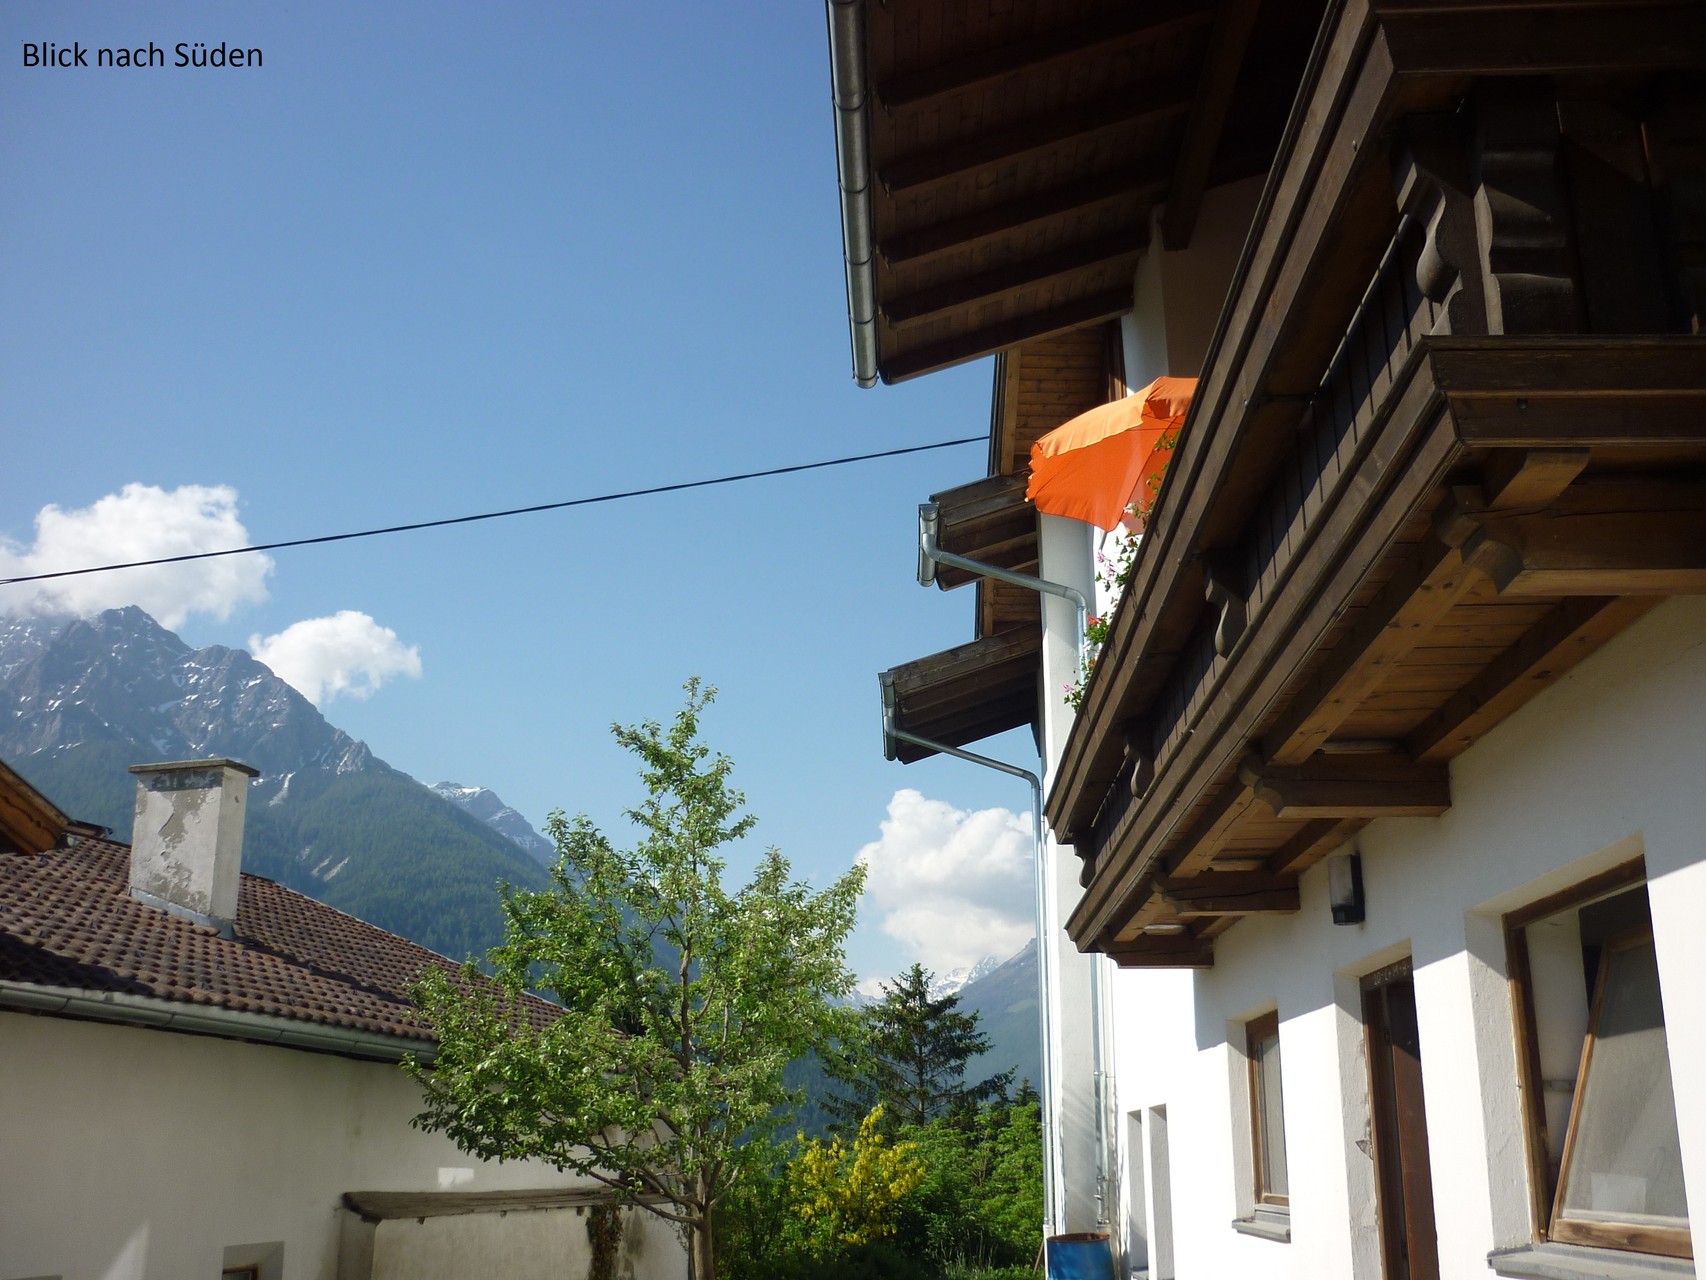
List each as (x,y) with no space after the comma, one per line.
(1267,1112)
(1605,1160)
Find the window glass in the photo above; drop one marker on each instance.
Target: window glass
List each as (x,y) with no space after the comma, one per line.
(1624,1162)
(1267,1110)
(1267,1062)
(1601,1110)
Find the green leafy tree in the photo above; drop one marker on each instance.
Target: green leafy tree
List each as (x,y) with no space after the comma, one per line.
(682,1001)
(912,1058)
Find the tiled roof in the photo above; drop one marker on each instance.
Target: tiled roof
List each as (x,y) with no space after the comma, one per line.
(67,920)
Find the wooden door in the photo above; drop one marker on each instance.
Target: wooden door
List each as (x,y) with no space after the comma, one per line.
(1403,1178)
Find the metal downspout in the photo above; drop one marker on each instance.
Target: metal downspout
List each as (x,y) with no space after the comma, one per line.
(931,554)
(893,733)
(853,162)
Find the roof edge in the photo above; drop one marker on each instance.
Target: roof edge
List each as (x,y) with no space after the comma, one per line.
(125,1009)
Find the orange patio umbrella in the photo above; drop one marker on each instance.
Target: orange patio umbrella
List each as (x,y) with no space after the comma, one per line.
(1093,467)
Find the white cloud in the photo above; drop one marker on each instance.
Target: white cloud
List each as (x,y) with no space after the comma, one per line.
(140,522)
(952,886)
(347,653)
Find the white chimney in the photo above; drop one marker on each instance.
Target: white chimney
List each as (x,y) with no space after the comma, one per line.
(186,848)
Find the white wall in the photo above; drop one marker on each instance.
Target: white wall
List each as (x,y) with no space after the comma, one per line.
(1066,557)
(132,1154)
(1609,762)
(530,1243)
(1177,295)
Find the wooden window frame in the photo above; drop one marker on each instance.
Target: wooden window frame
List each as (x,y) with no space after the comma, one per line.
(1257,1030)
(1544,1195)
(1672,1242)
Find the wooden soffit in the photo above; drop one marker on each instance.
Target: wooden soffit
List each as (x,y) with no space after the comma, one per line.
(1016,153)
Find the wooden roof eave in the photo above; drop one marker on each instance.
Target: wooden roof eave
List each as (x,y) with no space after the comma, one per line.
(29,822)
(964,694)
(1123,110)
(988,520)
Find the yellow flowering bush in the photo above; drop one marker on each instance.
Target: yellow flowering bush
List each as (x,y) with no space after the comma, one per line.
(847,1196)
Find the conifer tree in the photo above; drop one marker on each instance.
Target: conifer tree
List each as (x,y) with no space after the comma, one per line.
(913,1058)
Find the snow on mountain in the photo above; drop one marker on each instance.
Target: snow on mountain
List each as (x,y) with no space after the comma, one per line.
(81,699)
(489,808)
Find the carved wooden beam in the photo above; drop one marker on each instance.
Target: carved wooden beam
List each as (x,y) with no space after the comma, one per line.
(1607,539)
(1140,753)
(1004,282)
(1223,893)
(1159,100)
(1522,211)
(1224,589)
(1350,787)
(1557,643)
(1435,186)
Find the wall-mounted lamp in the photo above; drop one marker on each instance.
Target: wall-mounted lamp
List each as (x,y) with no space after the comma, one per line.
(1344,888)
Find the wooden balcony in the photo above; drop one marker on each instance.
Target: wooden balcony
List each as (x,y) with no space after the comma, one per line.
(1449,439)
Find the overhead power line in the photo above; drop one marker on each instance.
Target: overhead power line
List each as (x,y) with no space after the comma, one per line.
(499,515)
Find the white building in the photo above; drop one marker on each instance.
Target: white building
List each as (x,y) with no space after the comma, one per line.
(1386,791)
(201,1077)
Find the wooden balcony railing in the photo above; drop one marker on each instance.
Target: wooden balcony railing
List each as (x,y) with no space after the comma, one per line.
(1465,302)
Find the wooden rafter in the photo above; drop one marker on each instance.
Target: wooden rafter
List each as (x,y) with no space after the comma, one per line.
(1028,213)
(1009,333)
(1213,831)
(1127,27)
(1234,22)
(1003,282)
(1397,620)
(1106,115)
(1563,638)
(1312,842)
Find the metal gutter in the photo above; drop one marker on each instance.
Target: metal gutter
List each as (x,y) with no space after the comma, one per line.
(125,1009)
(853,163)
(1053,1175)
(930,554)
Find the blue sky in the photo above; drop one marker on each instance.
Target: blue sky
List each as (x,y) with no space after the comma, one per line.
(437,259)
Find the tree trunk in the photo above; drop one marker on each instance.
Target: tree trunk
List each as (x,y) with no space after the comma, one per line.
(701,1264)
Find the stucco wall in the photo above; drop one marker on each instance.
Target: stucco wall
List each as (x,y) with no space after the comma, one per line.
(132,1154)
(550,1243)
(1608,763)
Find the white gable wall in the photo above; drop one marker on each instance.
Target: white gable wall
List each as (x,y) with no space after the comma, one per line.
(133,1154)
(1608,763)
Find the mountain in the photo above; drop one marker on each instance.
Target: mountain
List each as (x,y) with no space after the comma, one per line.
(484,804)
(81,699)
(1004,996)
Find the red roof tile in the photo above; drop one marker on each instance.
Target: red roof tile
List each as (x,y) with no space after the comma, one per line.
(67,920)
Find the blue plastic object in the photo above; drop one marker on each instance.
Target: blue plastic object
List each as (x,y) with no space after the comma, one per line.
(1083,1256)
